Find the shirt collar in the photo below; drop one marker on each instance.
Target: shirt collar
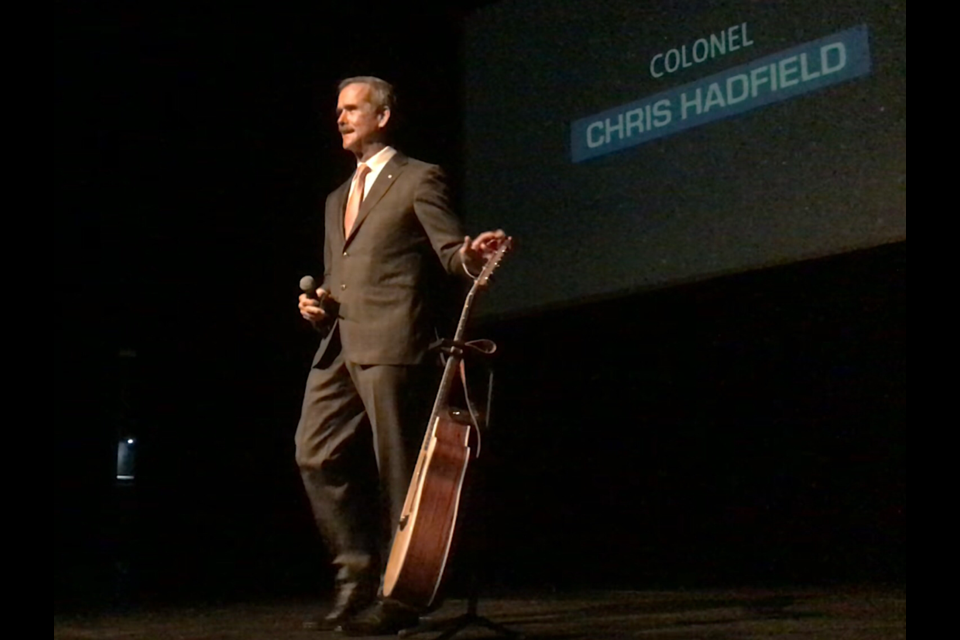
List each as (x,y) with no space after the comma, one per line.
(379,159)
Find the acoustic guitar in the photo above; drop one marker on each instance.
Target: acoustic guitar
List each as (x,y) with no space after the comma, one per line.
(421,544)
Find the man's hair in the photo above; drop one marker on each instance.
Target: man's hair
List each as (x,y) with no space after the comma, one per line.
(381,91)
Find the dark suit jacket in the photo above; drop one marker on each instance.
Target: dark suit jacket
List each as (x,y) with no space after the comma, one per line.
(388,273)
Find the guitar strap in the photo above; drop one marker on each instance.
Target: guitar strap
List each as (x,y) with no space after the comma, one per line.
(474,351)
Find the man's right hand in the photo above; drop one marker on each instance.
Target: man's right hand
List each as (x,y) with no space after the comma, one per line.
(312,308)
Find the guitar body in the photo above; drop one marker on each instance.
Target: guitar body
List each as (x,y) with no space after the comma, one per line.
(422,541)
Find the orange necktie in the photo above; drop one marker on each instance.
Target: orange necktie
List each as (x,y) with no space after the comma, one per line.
(356,197)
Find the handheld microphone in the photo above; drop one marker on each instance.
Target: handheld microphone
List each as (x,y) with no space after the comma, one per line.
(309,286)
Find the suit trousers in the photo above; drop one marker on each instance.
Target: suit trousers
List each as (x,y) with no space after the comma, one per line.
(357,442)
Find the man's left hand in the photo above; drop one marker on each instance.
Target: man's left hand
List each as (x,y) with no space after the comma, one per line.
(475,251)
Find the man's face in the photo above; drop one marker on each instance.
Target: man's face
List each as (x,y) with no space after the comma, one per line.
(358,120)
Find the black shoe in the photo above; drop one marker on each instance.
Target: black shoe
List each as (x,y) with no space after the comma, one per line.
(351,598)
(382,619)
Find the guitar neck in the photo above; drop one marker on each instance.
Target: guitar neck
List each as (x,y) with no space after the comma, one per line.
(456,355)
(452,365)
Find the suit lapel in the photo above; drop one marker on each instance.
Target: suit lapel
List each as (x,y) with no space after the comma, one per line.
(388,175)
(342,193)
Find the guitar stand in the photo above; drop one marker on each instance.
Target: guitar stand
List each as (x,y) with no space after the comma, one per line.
(453,626)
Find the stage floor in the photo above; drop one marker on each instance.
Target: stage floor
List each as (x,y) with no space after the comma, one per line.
(807,613)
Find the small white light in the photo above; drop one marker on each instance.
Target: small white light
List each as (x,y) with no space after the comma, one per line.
(130,441)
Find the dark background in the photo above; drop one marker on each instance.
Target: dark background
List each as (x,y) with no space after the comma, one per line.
(747,429)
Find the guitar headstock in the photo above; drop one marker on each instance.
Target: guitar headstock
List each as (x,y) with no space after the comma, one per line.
(493,262)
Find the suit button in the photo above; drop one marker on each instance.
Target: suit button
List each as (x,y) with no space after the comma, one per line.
(342,287)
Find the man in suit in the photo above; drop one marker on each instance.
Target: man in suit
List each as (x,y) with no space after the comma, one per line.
(391,241)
